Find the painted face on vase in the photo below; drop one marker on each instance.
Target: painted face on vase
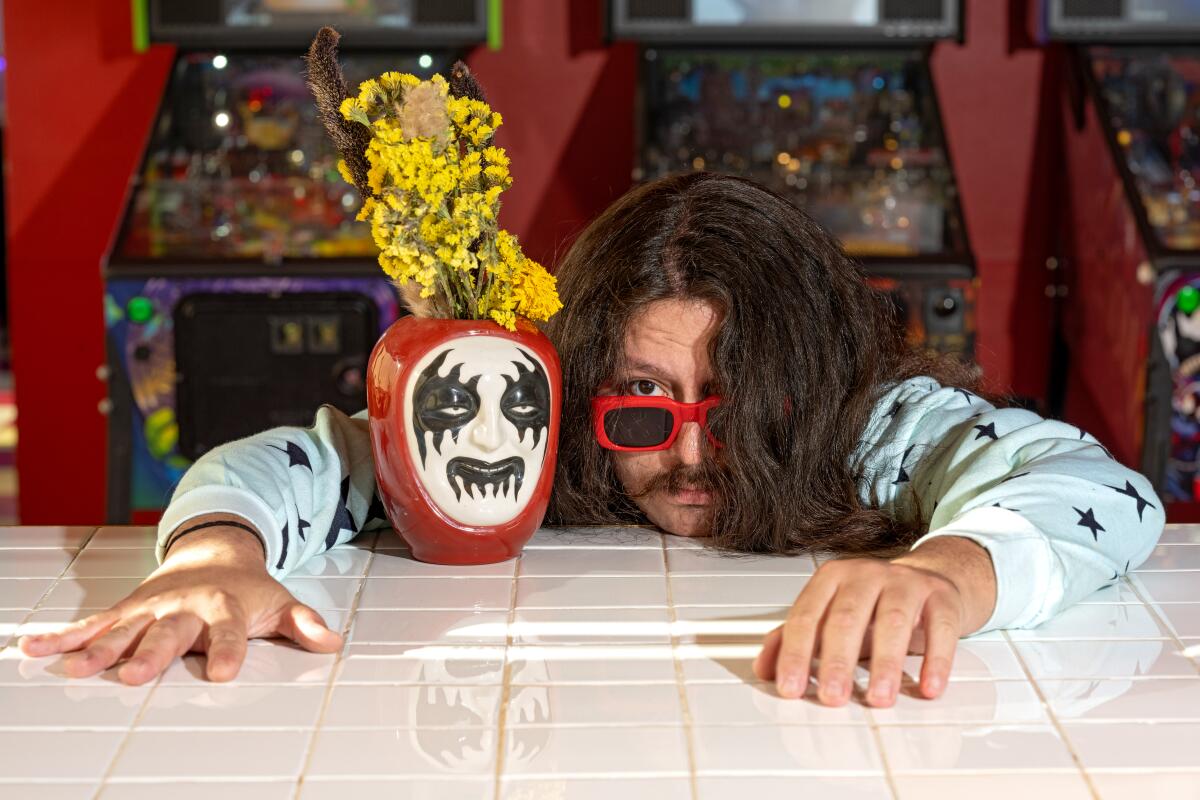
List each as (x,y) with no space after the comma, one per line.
(477,428)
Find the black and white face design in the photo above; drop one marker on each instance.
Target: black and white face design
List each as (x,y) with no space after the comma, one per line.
(478,423)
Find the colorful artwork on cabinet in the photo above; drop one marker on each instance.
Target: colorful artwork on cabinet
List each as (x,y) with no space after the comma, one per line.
(139,318)
(1179,334)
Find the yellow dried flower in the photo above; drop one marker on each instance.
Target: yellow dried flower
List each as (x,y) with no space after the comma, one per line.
(436,179)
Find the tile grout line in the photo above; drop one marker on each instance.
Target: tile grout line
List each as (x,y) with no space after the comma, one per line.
(506,681)
(685,709)
(1164,623)
(112,764)
(1054,720)
(11,641)
(333,673)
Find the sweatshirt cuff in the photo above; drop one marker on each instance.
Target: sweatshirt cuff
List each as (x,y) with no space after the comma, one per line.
(205,500)
(1021,559)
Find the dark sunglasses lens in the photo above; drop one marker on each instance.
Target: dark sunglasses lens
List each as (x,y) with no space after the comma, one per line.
(638,427)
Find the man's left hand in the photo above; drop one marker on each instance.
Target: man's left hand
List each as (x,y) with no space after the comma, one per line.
(922,601)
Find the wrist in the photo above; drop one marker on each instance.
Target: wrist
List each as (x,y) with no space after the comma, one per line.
(215,539)
(967,565)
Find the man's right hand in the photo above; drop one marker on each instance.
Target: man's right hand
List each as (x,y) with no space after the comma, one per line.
(211,594)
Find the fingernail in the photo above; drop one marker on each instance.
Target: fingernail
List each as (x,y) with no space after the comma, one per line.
(833,688)
(790,687)
(934,683)
(882,690)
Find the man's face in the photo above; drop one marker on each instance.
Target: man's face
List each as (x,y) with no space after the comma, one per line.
(479,425)
(666,354)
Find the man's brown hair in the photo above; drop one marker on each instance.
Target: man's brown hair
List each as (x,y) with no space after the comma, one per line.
(804,352)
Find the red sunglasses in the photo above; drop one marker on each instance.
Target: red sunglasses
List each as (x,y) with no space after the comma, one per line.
(631,423)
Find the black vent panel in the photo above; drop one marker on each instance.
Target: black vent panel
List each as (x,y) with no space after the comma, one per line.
(1093,9)
(659,10)
(445,12)
(922,10)
(193,12)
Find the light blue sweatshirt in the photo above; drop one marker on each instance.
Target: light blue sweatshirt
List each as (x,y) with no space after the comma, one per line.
(1059,517)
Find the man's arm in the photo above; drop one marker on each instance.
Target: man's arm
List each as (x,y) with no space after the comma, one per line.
(1056,514)
(298,491)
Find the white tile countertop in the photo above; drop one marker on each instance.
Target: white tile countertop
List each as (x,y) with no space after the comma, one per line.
(602,663)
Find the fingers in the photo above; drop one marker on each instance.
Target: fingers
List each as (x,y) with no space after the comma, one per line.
(842,637)
(799,635)
(226,649)
(942,624)
(107,649)
(305,627)
(764,662)
(70,637)
(895,616)
(163,642)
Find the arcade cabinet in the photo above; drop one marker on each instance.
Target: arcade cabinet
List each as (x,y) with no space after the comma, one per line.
(1132,150)
(240,292)
(833,106)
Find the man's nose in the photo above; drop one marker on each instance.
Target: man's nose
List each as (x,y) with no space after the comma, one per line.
(486,433)
(689,446)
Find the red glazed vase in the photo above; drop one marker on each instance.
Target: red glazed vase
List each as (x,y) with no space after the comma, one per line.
(464,430)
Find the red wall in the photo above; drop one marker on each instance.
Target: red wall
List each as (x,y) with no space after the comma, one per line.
(80,104)
(998,100)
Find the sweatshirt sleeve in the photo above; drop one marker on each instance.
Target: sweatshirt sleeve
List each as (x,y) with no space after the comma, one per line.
(303,489)
(1058,515)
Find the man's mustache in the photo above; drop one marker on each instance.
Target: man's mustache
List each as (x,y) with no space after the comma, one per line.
(698,477)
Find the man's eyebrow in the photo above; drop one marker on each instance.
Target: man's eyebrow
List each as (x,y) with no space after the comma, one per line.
(646,368)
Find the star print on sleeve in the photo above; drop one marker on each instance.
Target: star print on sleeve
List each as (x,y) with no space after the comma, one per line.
(903,477)
(376,511)
(1083,435)
(283,536)
(895,409)
(1087,519)
(997,505)
(966,394)
(296,455)
(342,521)
(1132,493)
(988,430)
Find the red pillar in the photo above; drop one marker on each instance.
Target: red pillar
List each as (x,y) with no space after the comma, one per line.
(998,107)
(79,105)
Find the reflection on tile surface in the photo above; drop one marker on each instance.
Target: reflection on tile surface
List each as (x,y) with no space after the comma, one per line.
(602,663)
(980,748)
(597,789)
(993,786)
(725,749)
(1105,658)
(1098,622)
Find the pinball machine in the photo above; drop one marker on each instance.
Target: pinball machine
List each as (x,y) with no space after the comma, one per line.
(1132,157)
(240,292)
(832,105)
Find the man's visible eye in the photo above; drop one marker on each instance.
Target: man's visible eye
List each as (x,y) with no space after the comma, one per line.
(644,388)
(525,409)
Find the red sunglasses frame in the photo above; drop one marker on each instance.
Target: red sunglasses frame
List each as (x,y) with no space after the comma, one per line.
(680,413)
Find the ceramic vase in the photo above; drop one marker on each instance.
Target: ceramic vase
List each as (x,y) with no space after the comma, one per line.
(464,431)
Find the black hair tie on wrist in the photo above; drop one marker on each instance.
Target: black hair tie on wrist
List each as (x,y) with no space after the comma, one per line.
(216,524)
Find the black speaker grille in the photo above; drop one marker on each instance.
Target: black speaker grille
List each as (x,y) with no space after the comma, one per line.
(189,12)
(891,10)
(444,12)
(1093,9)
(659,10)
